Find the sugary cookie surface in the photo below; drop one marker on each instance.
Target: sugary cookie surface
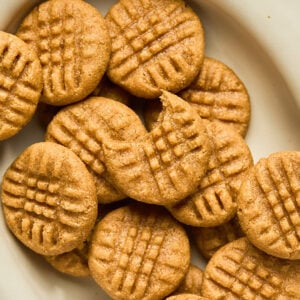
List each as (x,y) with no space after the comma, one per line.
(49,199)
(269,205)
(20,84)
(78,128)
(241,271)
(168,163)
(218,94)
(73,44)
(214,202)
(139,252)
(156,45)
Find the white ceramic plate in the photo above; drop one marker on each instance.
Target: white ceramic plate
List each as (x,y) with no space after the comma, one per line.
(259,40)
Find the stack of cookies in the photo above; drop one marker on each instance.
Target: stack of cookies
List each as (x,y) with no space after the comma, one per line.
(109,197)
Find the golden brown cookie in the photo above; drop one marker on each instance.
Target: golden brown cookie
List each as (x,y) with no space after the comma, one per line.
(241,271)
(73,44)
(191,283)
(20,84)
(108,89)
(209,239)
(269,205)
(218,94)
(49,199)
(214,203)
(79,126)
(155,45)
(186,297)
(74,263)
(139,252)
(168,163)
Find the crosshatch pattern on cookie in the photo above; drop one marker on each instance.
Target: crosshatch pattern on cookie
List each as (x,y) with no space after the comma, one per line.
(241,271)
(71,130)
(65,43)
(244,277)
(277,182)
(218,94)
(166,166)
(214,203)
(20,85)
(78,128)
(132,254)
(166,146)
(43,209)
(143,32)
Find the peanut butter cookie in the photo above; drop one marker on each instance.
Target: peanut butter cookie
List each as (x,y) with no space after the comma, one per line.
(79,127)
(49,199)
(155,45)
(168,163)
(241,271)
(218,94)
(214,203)
(73,44)
(269,205)
(139,252)
(20,84)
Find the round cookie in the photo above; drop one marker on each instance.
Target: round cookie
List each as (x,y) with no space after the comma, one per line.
(209,239)
(74,263)
(186,297)
(73,44)
(192,282)
(269,205)
(241,271)
(155,45)
(139,252)
(218,94)
(79,127)
(214,202)
(49,199)
(168,163)
(20,84)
